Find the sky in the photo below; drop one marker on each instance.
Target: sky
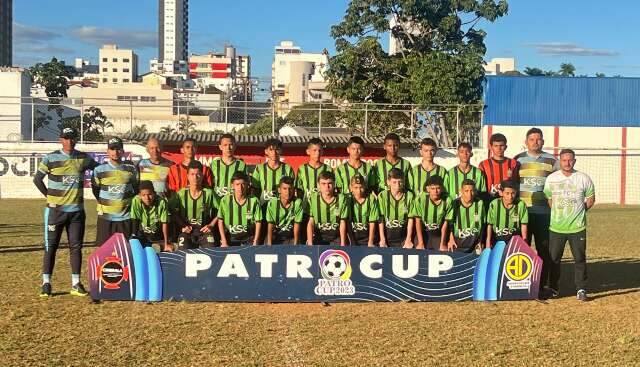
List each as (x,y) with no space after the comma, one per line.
(596,37)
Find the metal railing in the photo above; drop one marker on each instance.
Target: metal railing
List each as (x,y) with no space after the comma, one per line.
(38,118)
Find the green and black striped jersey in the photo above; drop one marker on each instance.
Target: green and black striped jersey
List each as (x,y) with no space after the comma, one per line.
(455,177)
(466,221)
(345,172)
(198,211)
(327,215)
(431,215)
(361,214)
(307,178)
(283,218)
(265,180)
(222,174)
(381,169)
(420,177)
(395,212)
(150,217)
(507,221)
(239,219)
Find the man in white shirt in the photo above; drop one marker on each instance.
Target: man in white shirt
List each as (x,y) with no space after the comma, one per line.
(570,194)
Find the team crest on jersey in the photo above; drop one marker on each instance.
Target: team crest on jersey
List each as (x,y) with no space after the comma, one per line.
(335,268)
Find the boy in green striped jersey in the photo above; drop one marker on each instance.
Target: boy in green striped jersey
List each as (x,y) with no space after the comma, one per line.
(240,215)
(354,166)
(507,216)
(364,214)
(223,167)
(390,161)
(328,214)
(265,178)
(194,210)
(150,217)
(284,216)
(429,210)
(307,178)
(396,227)
(465,171)
(466,218)
(422,172)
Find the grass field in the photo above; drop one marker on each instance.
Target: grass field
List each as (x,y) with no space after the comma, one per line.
(70,331)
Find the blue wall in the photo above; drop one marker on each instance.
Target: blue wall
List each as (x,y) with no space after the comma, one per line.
(551,101)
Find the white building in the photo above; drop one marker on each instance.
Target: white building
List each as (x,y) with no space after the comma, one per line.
(227,72)
(298,77)
(173,37)
(117,66)
(499,66)
(15,104)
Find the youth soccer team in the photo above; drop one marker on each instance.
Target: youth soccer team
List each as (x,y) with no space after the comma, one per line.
(189,205)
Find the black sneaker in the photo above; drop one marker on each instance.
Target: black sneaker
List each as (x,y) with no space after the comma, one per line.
(46,290)
(549,293)
(78,290)
(582,295)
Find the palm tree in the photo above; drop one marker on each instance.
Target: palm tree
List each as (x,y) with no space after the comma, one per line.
(167,129)
(567,69)
(139,129)
(185,125)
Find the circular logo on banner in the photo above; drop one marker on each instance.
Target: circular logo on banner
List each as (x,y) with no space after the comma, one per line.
(518,266)
(335,264)
(112,272)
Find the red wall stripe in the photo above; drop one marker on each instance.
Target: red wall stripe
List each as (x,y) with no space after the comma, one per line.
(489,133)
(556,140)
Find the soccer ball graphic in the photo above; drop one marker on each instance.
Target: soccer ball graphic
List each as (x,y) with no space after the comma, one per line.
(334,266)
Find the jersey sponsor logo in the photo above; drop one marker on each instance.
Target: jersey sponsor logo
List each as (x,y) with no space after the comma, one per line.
(432,226)
(268,195)
(328,226)
(222,190)
(116,189)
(468,232)
(533,181)
(359,226)
(195,221)
(238,229)
(394,223)
(70,180)
(505,231)
(286,227)
(51,227)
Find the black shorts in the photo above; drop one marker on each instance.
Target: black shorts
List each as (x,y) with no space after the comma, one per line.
(195,239)
(395,236)
(360,238)
(106,228)
(57,221)
(467,244)
(432,241)
(326,238)
(282,238)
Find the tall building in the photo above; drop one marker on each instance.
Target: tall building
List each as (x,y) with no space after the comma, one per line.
(117,66)
(298,77)
(173,37)
(6,32)
(500,65)
(228,72)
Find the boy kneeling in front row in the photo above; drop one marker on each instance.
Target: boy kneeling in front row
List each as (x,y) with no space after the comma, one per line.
(240,215)
(429,210)
(328,214)
(194,209)
(284,215)
(466,218)
(150,217)
(507,216)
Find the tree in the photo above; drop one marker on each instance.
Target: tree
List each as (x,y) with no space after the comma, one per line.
(94,124)
(533,71)
(167,129)
(139,129)
(440,59)
(263,126)
(567,69)
(185,126)
(53,77)
(600,75)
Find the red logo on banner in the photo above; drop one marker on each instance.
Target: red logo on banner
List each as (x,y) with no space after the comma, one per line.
(112,272)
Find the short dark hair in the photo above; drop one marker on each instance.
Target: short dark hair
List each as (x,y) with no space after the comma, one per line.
(356,140)
(392,136)
(358,179)
(273,142)
(468,182)
(429,142)
(287,180)
(534,130)
(227,136)
(146,185)
(315,141)
(497,138)
(434,180)
(326,175)
(465,145)
(195,164)
(509,184)
(567,151)
(189,139)
(395,173)
(239,175)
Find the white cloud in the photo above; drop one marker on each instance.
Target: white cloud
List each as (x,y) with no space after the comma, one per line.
(570,49)
(128,38)
(29,34)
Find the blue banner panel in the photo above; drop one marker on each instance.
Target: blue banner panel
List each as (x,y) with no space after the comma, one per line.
(315,274)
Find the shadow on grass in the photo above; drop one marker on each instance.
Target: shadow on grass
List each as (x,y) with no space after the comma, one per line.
(613,277)
(39,247)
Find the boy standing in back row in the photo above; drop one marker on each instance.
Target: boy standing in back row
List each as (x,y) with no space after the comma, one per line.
(225,166)
(354,166)
(498,168)
(307,178)
(427,168)
(390,161)
(465,171)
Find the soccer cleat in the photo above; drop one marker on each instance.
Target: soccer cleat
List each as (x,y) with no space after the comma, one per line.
(46,290)
(78,290)
(582,295)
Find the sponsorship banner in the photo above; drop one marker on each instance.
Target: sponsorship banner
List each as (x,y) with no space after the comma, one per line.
(124,270)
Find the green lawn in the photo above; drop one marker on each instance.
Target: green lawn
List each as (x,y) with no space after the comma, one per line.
(69,331)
